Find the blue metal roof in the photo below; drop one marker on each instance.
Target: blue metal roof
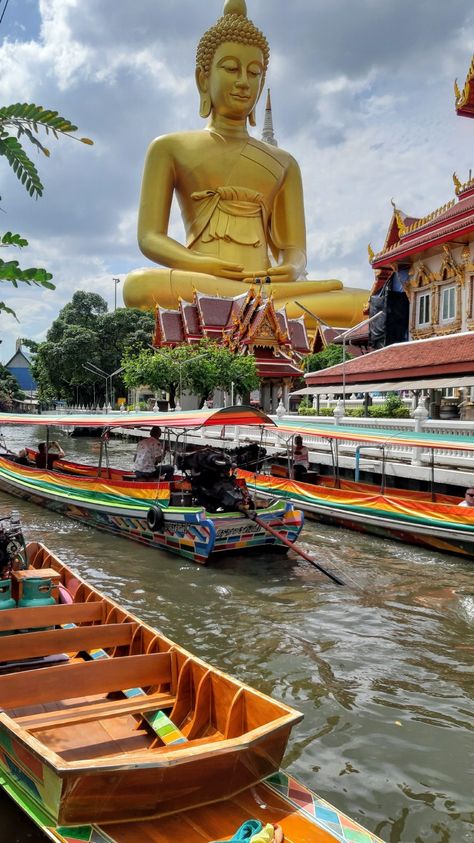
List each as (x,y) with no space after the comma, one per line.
(23,377)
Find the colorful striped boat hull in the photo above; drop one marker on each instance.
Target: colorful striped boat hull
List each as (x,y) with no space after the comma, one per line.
(120,507)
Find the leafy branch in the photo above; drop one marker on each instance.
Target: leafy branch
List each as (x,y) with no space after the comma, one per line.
(10,270)
(26,119)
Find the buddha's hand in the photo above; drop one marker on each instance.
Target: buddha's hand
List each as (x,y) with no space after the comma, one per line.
(282,273)
(215,266)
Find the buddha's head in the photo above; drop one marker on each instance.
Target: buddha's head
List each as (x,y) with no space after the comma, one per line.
(231,62)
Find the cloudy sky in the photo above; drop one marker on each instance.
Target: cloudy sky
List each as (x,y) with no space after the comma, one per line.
(362,94)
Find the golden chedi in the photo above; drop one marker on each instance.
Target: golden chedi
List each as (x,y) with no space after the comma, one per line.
(241,199)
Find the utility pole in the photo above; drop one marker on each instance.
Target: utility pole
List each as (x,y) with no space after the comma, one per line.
(116,281)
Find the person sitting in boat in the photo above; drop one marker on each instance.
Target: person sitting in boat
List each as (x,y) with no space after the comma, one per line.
(300,458)
(148,458)
(468,497)
(45,458)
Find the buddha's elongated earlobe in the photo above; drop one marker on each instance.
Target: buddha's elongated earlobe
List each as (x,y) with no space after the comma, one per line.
(252,117)
(205,104)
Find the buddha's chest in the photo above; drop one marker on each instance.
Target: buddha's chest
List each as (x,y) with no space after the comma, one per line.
(218,164)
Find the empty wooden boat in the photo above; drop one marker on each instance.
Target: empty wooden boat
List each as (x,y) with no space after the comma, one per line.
(112,733)
(102,718)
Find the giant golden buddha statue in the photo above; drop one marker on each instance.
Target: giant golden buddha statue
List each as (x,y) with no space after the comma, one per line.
(241,199)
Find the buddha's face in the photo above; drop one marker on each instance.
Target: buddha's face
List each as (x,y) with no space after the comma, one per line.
(235,79)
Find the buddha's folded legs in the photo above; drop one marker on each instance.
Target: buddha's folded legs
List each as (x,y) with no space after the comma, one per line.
(328,300)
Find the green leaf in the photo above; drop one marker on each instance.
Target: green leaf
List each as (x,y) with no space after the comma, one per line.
(10,239)
(5,309)
(20,163)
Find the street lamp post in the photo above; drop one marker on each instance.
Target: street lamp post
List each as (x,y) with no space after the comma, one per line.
(116,281)
(91,367)
(96,371)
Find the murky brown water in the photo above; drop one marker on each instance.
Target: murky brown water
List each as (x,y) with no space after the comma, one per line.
(383,672)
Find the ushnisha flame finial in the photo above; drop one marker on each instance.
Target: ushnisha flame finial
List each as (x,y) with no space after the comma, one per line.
(235,7)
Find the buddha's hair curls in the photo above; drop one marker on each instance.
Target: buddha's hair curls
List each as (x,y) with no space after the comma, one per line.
(232,26)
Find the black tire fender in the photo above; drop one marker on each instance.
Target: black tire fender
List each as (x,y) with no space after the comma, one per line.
(155,518)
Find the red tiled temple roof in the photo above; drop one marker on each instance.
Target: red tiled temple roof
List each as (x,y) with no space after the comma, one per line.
(434,357)
(214,311)
(246,321)
(298,335)
(190,317)
(170,326)
(455,219)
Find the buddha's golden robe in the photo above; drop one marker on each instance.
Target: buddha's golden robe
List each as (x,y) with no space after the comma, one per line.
(240,200)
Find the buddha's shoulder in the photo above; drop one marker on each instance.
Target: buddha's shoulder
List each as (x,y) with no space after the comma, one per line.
(266,149)
(177,141)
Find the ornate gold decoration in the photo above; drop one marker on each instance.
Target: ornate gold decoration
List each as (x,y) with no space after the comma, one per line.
(457,92)
(232,26)
(449,268)
(466,253)
(462,97)
(457,183)
(371,253)
(402,229)
(430,217)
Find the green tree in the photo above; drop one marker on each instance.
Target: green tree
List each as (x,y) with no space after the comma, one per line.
(199,368)
(329,356)
(84,332)
(20,122)
(9,389)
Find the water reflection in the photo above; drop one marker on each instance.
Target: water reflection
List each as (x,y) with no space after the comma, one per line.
(382,669)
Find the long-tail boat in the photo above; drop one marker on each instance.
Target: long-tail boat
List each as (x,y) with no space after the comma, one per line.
(112,733)
(158,514)
(403,515)
(426,518)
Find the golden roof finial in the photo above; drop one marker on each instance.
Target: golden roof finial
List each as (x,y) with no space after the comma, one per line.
(371,253)
(457,183)
(457,92)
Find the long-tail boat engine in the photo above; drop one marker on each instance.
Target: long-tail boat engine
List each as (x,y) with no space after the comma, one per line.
(213,483)
(12,545)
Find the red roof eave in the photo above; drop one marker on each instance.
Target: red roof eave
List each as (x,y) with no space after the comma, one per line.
(405,250)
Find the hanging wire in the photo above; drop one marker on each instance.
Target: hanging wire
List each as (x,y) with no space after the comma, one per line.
(4,10)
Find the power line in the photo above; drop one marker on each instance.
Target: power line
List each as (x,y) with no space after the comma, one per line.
(4,10)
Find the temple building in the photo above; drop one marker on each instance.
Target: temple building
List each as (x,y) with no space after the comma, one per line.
(424,274)
(423,294)
(246,324)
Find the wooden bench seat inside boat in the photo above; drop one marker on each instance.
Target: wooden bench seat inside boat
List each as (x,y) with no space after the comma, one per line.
(32,645)
(95,710)
(82,679)
(56,614)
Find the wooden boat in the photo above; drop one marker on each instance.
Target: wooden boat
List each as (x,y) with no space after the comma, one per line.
(112,733)
(157,514)
(404,515)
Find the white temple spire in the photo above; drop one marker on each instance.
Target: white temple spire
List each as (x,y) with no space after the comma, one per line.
(267,134)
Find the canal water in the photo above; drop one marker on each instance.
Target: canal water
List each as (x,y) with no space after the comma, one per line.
(382,669)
